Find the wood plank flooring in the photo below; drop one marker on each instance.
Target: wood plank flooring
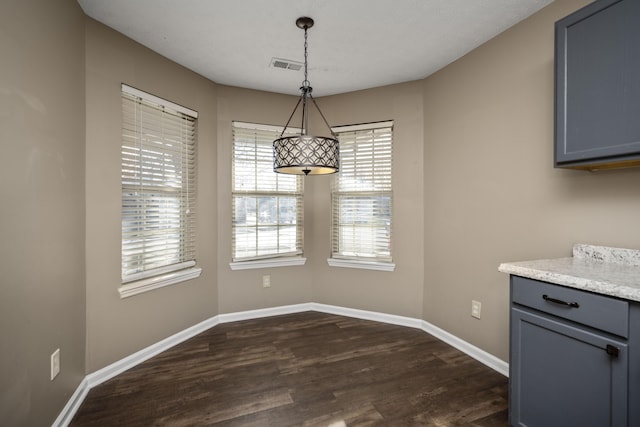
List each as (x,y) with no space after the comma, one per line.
(305,369)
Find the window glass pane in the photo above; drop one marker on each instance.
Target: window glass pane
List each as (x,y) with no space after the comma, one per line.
(287,210)
(245,211)
(158,187)
(362,195)
(245,241)
(267,210)
(287,237)
(267,207)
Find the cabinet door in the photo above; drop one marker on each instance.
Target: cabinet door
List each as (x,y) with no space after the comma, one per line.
(598,84)
(562,375)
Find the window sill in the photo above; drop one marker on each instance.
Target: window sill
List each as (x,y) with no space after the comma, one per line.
(160,281)
(366,265)
(268,263)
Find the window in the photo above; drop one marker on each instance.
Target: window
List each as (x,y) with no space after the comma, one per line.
(158,192)
(267,207)
(362,198)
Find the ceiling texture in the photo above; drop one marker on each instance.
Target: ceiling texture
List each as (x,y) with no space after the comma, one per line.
(354,44)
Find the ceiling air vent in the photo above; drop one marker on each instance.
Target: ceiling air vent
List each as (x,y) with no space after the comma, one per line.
(286,64)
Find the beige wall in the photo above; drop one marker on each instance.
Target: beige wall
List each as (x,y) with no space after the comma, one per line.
(491,192)
(398,292)
(119,327)
(42,305)
(474,186)
(242,290)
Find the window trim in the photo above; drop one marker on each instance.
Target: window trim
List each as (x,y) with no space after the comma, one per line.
(157,100)
(268,263)
(148,280)
(361,264)
(293,258)
(344,261)
(363,126)
(150,283)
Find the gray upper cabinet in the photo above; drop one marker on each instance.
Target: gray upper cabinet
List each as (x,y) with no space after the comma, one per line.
(597,86)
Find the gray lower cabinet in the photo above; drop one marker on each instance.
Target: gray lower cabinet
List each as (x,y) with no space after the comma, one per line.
(597,86)
(570,358)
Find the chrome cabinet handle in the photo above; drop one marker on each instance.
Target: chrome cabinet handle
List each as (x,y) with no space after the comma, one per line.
(572,304)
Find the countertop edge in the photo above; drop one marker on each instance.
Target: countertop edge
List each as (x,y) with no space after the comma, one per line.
(602,287)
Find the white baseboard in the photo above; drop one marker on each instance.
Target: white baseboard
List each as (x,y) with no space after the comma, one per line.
(138,357)
(367,315)
(264,312)
(72,406)
(110,371)
(480,355)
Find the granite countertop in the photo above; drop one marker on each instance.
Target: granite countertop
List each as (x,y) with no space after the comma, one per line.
(600,269)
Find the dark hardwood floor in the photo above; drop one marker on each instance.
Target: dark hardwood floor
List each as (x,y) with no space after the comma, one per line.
(306,369)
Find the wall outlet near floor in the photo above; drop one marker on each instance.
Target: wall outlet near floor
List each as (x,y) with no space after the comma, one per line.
(476,309)
(266,281)
(55,363)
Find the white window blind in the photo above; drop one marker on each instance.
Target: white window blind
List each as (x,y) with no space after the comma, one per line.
(362,194)
(158,186)
(267,208)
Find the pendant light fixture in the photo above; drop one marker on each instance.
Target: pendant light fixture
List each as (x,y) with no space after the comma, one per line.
(304,153)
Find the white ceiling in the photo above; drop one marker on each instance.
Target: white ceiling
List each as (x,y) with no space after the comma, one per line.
(354,44)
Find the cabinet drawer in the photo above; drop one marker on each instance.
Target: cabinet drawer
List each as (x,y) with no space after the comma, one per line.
(597,311)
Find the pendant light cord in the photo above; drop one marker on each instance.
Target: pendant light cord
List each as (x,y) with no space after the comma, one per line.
(305,82)
(306,90)
(301,153)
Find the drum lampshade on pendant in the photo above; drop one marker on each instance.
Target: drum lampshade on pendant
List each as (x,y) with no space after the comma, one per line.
(305,154)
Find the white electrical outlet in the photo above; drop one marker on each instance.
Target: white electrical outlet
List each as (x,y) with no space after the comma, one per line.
(476,309)
(55,363)
(266,281)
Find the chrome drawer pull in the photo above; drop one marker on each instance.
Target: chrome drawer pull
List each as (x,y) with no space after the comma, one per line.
(559,301)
